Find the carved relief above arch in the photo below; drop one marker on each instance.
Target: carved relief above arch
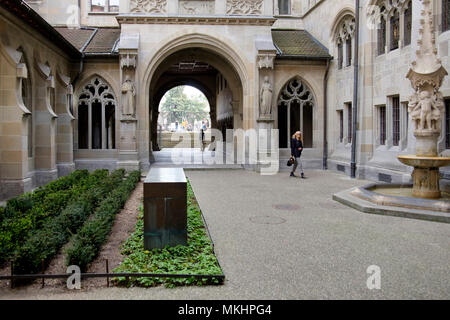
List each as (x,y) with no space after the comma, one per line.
(244,7)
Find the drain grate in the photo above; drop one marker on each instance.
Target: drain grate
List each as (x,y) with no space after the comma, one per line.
(286,207)
(267,220)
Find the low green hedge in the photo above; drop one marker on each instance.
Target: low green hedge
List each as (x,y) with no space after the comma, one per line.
(29,212)
(90,238)
(45,243)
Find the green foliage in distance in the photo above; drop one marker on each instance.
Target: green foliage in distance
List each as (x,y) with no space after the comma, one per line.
(179,107)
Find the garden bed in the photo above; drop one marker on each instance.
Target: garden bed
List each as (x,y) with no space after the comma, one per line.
(197,258)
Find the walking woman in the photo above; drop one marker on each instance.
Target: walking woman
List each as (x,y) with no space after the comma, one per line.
(296,153)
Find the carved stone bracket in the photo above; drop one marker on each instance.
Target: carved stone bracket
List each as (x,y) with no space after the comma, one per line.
(128,60)
(266,60)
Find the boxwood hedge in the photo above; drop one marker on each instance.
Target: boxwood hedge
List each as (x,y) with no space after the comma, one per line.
(29,212)
(88,241)
(44,243)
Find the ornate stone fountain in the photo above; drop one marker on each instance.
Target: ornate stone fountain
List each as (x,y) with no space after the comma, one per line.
(426,109)
(422,200)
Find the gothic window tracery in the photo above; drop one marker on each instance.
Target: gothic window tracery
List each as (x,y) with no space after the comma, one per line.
(389,16)
(96,116)
(344,37)
(295,112)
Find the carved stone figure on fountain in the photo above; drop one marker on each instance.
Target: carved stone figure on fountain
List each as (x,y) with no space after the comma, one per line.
(425,110)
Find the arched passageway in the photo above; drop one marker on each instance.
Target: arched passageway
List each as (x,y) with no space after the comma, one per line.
(206,71)
(183,110)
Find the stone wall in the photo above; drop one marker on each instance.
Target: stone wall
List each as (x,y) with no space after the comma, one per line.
(35,123)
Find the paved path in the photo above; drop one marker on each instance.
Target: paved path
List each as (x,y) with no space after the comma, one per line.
(192,159)
(321,250)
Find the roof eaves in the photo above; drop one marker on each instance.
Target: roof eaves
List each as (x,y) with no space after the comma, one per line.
(44,27)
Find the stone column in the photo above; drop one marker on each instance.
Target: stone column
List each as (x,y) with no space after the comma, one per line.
(14,178)
(45,124)
(128,147)
(64,126)
(266,53)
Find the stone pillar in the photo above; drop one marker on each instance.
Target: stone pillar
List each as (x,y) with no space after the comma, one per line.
(265,101)
(64,126)
(128,147)
(14,172)
(45,126)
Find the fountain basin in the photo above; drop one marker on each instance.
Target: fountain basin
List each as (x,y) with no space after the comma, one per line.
(397,195)
(424,162)
(426,175)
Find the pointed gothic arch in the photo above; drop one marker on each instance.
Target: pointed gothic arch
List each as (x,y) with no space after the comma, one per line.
(96,115)
(296,103)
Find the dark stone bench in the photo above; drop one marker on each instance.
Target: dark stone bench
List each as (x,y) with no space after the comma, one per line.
(165,208)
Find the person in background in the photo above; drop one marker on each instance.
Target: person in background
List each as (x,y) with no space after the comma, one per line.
(202,139)
(296,153)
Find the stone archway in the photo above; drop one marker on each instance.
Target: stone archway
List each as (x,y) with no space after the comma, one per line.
(206,70)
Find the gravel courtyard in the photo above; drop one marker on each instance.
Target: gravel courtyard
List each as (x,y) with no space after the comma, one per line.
(285,238)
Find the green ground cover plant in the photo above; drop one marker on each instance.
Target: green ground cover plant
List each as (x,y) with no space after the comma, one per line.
(195,259)
(88,241)
(30,211)
(44,244)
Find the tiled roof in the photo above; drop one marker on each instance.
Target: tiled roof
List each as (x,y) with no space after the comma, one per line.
(77,37)
(92,40)
(24,12)
(103,41)
(298,44)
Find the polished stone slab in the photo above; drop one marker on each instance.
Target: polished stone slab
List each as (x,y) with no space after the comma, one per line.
(165,208)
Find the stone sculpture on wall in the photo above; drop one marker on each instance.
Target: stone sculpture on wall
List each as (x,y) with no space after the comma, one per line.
(148,6)
(244,7)
(128,97)
(266,98)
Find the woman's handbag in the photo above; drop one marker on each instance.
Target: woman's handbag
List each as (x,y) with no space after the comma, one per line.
(290,162)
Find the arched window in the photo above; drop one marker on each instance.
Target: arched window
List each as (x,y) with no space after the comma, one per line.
(408,24)
(96,116)
(295,112)
(395,30)
(344,36)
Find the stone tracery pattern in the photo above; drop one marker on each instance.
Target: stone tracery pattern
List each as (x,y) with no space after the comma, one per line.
(391,6)
(96,91)
(148,6)
(244,7)
(296,91)
(346,29)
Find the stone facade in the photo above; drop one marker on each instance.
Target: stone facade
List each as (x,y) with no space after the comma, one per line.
(42,126)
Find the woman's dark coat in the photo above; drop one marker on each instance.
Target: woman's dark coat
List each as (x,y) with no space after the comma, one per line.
(295,144)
